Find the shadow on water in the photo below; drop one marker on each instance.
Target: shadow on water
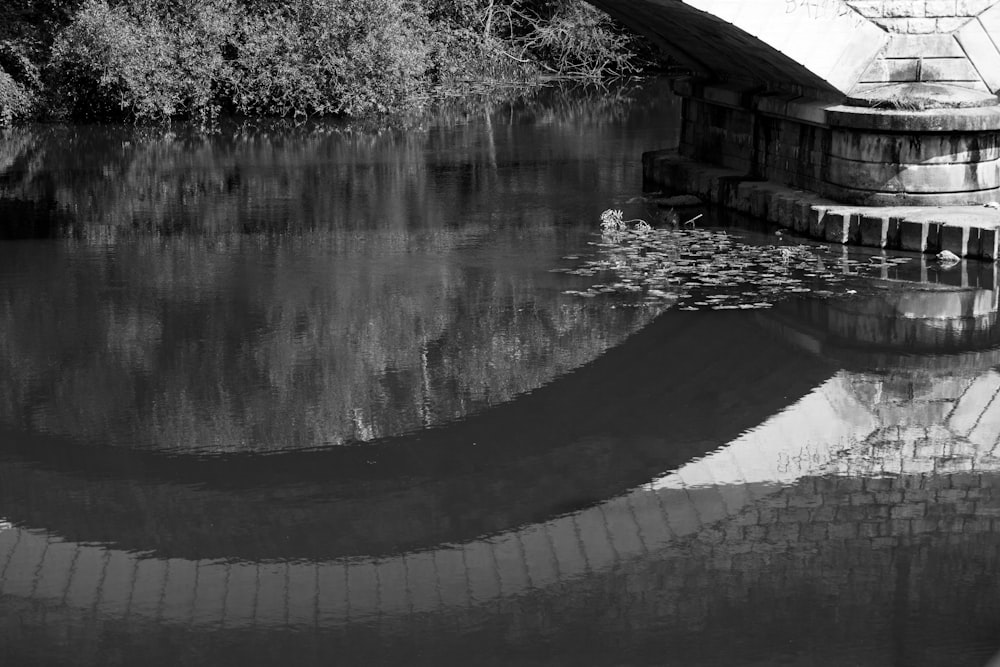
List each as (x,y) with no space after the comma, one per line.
(676,390)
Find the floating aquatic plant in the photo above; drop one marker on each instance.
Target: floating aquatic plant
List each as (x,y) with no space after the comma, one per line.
(612,221)
(697,269)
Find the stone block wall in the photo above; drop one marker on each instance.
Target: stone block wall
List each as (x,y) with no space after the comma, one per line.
(920,16)
(937,58)
(940,41)
(761,146)
(853,155)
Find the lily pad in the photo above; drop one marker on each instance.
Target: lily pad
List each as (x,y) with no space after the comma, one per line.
(705,269)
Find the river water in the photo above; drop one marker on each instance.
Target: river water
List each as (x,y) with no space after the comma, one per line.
(340,394)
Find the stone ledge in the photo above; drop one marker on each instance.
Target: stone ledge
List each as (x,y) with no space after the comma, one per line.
(802,109)
(746,97)
(920,95)
(977,119)
(939,107)
(967,231)
(961,178)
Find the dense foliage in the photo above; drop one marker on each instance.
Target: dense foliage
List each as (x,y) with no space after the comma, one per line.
(163,59)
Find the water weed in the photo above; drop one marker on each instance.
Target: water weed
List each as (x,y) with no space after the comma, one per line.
(695,269)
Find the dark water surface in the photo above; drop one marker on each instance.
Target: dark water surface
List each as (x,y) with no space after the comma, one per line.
(334,395)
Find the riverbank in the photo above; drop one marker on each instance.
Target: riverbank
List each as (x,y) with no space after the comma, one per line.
(164,60)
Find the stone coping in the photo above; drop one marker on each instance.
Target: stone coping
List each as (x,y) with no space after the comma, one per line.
(945,108)
(739,96)
(967,231)
(976,119)
(919,95)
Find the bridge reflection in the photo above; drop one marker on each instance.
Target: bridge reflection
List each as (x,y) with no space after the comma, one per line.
(793,480)
(677,389)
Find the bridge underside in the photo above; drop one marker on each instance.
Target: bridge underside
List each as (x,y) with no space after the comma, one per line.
(866,102)
(758,42)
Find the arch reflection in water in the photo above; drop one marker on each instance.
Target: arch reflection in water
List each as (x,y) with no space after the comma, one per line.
(854,521)
(924,308)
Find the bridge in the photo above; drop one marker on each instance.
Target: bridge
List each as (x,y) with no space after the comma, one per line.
(865,102)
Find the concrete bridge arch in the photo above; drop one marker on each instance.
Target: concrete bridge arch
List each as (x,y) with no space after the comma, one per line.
(865,102)
(830,47)
(820,46)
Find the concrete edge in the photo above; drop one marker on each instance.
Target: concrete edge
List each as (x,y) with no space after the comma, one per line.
(735,96)
(967,231)
(976,119)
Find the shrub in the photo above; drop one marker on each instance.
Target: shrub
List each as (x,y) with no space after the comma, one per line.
(128,60)
(507,40)
(349,57)
(473,51)
(315,57)
(574,39)
(160,59)
(16,59)
(15,100)
(269,76)
(365,55)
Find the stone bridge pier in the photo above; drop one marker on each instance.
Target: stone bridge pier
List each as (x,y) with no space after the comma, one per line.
(865,102)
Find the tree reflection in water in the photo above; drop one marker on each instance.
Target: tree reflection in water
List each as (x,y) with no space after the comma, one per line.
(270,287)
